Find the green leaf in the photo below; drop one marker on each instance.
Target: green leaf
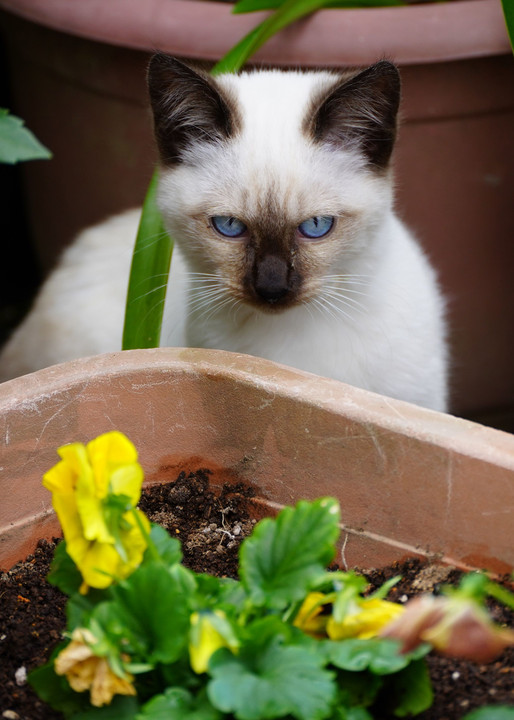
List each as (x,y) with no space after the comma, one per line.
(358,689)
(352,714)
(283,556)
(178,704)
(288,12)
(246,6)
(409,692)
(508,14)
(55,690)
(121,708)
(379,655)
(64,574)
(167,547)
(163,626)
(148,277)
(271,681)
(17,142)
(492,712)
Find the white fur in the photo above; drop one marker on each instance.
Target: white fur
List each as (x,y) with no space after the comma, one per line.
(387,335)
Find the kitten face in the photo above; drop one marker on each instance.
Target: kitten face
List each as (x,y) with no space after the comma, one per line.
(273,181)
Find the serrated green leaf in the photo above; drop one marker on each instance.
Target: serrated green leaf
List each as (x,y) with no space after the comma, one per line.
(164,625)
(17,143)
(379,655)
(148,277)
(283,556)
(178,704)
(492,712)
(271,682)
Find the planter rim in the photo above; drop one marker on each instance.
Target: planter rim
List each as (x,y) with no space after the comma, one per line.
(413,34)
(370,409)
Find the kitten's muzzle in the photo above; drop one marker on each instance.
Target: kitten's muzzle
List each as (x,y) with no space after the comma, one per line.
(272,279)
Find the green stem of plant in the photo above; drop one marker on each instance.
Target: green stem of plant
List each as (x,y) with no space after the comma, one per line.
(149,542)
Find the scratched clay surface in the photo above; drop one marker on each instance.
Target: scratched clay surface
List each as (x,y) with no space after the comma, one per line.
(211,527)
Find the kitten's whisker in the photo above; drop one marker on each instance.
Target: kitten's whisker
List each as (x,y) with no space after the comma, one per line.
(150,292)
(337,287)
(324,308)
(341,297)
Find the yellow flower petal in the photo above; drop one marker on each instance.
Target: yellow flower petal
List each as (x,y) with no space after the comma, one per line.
(309,618)
(106,454)
(367,622)
(82,485)
(61,478)
(205,640)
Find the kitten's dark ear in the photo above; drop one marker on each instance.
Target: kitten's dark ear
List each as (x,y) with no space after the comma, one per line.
(362,111)
(187,107)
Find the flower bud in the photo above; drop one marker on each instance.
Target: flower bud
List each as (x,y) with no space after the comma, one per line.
(454,626)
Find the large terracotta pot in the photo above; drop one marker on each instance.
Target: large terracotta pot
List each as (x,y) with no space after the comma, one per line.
(410,481)
(78,72)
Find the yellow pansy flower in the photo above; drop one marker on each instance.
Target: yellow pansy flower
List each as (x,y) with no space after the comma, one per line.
(309,617)
(94,490)
(364,619)
(209,632)
(86,671)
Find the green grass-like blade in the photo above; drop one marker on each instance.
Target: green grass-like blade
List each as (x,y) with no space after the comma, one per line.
(148,277)
(508,14)
(247,6)
(288,12)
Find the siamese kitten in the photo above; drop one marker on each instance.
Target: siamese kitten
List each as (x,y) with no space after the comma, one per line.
(277,189)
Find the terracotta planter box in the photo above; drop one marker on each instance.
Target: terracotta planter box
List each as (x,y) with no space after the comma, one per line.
(78,79)
(410,481)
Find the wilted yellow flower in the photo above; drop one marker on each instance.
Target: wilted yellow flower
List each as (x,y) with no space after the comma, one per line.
(85,671)
(209,632)
(456,627)
(94,490)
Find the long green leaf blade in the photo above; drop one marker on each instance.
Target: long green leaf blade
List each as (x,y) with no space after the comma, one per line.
(508,13)
(148,277)
(247,6)
(287,13)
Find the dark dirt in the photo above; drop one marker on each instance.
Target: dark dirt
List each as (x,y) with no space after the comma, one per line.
(211,526)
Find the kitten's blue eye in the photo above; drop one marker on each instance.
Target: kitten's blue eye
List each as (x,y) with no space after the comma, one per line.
(228,226)
(316,227)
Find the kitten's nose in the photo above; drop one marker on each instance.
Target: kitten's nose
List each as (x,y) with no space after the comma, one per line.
(271,279)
